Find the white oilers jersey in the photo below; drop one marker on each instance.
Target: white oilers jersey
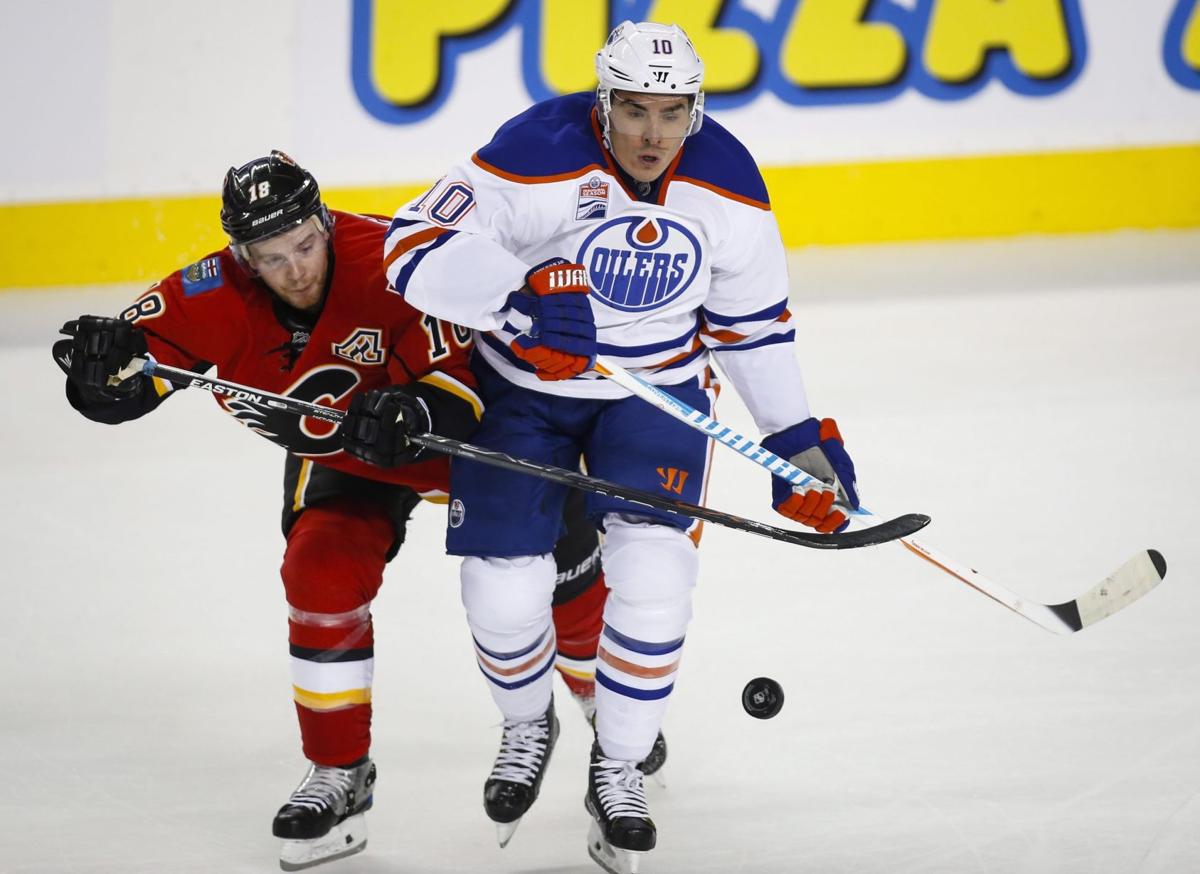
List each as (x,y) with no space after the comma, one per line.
(700,269)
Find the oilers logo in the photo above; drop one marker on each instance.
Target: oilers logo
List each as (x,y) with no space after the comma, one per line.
(637,263)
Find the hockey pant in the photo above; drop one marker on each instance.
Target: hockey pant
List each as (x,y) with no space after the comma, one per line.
(507,522)
(341,532)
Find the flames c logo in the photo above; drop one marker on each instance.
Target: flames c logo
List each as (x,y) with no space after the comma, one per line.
(637,263)
(327,384)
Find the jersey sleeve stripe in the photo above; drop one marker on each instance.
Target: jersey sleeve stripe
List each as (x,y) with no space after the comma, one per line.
(772,312)
(400,282)
(398,223)
(785,337)
(646,349)
(407,244)
(449,384)
(724,336)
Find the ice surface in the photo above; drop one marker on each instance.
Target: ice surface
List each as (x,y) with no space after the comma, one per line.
(1039,399)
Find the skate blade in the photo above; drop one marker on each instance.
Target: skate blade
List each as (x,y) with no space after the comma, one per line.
(659,778)
(610,858)
(345,839)
(505,831)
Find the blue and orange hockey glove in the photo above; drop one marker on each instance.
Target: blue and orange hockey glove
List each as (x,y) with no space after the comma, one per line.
(816,448)
(560,341)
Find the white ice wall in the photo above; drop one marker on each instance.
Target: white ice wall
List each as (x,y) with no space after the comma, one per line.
(112,98)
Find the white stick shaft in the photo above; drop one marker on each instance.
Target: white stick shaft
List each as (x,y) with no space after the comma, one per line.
(744,446)
(713,429)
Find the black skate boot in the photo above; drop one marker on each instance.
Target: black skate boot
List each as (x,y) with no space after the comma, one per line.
(323,819)
(652,765)
(621,831)
(517,775)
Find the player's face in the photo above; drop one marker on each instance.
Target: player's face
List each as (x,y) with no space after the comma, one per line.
(294,264)
(647,131)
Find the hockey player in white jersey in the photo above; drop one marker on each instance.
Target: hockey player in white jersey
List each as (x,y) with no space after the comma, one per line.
(627,224)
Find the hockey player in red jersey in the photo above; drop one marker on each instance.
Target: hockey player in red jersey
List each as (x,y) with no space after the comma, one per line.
(298,304)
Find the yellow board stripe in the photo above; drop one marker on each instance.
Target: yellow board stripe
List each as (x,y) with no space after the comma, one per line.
(144,239)
(330,700)
(992,196)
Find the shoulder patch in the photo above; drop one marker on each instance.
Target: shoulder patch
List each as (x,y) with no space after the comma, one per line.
(202,276)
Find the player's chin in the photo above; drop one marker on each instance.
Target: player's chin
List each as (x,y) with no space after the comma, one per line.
(303,298)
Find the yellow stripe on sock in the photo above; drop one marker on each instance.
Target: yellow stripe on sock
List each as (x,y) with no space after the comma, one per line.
(330,700)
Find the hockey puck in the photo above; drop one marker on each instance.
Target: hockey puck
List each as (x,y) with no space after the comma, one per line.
(762,698)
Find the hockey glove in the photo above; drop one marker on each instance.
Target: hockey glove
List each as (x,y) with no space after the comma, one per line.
(560,337)
(378,424)
(99,350)
(816,448)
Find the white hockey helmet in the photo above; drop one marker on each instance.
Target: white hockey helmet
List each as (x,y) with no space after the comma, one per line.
(649,58)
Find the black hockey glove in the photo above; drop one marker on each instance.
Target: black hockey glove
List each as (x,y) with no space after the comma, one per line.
(100,348)
(378,424)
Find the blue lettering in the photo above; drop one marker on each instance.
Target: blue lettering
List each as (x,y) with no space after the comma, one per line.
(677,268)
(660,278)
(600,276)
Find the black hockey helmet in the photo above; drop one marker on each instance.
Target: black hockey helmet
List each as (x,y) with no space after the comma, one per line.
(268,196)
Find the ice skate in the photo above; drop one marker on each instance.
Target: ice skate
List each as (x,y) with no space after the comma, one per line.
(622,831)
(517,775)
(652,765)
(323,820)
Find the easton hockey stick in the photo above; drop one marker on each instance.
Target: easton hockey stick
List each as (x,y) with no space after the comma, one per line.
(882,533)
(1116,591)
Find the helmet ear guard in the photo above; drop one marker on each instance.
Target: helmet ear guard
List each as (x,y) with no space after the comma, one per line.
(649,58)
(267,197)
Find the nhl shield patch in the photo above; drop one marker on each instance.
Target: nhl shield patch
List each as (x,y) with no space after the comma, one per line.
(593,200)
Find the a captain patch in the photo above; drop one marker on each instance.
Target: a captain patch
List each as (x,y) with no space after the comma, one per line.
(363,346)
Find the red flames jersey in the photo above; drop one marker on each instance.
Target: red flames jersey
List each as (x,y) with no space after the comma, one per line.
(215,313)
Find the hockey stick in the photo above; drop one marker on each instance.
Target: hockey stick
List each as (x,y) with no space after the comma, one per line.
(891,530)
(1118,590)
